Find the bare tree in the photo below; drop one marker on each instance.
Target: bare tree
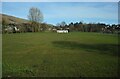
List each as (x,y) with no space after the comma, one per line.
(36,17)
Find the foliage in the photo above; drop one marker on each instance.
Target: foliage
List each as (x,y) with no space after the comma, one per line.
(90,27)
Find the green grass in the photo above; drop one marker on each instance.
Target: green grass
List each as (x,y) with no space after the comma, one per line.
(60,55)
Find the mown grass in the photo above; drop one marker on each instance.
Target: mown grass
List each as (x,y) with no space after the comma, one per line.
(75,54)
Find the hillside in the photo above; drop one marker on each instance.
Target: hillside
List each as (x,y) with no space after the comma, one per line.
(10,19)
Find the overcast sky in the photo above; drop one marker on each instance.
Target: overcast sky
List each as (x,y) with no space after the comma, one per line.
(55,12)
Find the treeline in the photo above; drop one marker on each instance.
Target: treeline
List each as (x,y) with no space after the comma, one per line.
(90,27)
(25,27)
(72,27)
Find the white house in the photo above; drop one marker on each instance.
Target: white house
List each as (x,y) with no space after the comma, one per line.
(62,31)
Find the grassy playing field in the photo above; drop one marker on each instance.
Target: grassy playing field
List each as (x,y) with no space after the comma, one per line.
(54,55)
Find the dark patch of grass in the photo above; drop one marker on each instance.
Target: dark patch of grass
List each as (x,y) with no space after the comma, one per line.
(111,49)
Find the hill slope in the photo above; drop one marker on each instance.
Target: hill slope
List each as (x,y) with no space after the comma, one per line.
(10,19)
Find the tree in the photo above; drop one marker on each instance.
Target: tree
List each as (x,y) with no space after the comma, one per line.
(36,17)
(71,26)
(4,24)
(43,27)
(63,23)
(82,26)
